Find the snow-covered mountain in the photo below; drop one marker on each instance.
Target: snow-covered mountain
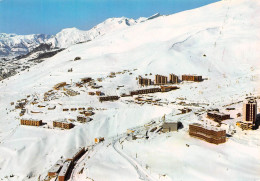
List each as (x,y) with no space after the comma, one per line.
(14,45)
(219,41)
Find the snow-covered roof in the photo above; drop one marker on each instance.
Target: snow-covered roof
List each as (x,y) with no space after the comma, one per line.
(65,168)
(55,168)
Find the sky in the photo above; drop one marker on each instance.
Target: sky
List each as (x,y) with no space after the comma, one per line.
(51,16)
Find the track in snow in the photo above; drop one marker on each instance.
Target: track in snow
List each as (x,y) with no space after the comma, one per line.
(142,172)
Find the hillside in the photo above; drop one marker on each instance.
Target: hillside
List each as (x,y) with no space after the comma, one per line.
(218,41)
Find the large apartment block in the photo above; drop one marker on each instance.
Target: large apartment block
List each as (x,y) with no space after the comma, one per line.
(207,133)
(144,81)
(160,79)
(31,122)
(174,79)
(195,78)
(250,111)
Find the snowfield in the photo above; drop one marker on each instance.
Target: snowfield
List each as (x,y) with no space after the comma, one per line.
(219,41)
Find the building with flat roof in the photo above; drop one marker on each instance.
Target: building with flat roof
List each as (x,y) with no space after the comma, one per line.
(250,111)
(169,126)
(54,170)
(195,78)
(217,116)
(144,81)
(64,170)
(108,98)
(31,122)
(145,91)
(207,133)
(160,79)
(62,124)
(174,79)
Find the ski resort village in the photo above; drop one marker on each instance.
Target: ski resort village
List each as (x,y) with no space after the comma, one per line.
(170,97)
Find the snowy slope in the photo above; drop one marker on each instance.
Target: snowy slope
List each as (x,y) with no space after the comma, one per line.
(218,41)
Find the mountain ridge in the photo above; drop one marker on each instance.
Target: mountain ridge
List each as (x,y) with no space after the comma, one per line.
(12,45)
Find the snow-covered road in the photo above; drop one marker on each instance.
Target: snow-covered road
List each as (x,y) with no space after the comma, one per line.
(141,171)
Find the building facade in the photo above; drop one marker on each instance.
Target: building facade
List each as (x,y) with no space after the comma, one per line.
(217,116)
(62,124)
(250,111)
(31,122)
(65,170)
(144,81)
(108,98)
(195,78)
(160,79)
(145,91)
(207,133)
(168,127)
(174,79)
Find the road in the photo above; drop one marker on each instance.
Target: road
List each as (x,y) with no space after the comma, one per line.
(139,169)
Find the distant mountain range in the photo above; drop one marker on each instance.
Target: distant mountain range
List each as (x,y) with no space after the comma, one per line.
(12,45)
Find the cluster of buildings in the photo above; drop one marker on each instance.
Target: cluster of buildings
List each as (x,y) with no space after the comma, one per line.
(21,104)
(61,169)
(163,80)
(10,67)
(216,135)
